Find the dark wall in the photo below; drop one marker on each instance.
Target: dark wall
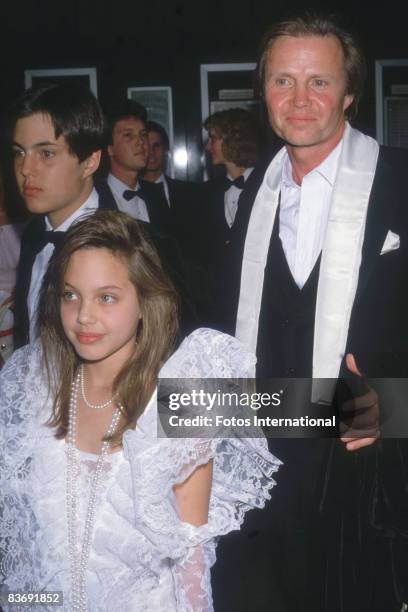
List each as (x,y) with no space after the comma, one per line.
(163,42)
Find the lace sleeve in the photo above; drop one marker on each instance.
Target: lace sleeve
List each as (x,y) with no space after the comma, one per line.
(192,579)
(207,353)
(21,391)
(242,478)
(239,483)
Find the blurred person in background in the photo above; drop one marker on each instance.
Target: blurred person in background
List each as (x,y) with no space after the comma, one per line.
(10,238)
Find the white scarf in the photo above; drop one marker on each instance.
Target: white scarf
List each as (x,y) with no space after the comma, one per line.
(341,253)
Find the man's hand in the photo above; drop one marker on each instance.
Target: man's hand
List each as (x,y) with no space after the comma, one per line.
(367,419)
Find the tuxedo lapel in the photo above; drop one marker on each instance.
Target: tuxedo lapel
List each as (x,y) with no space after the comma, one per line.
(174,196)
(156,203)
(105,195)
(219,211)
(24,270)
(342,252)
(247,198)
(214,206)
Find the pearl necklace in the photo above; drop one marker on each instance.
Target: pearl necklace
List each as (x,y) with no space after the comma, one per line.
(79,555)
(87,403)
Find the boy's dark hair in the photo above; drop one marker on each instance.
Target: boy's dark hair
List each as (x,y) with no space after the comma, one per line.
(153,126)
(123,110)
(74,111)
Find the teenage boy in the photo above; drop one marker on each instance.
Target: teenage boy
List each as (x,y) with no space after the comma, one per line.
(57,135)
(128,151)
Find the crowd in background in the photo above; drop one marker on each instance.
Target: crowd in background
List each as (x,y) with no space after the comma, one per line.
(196,218)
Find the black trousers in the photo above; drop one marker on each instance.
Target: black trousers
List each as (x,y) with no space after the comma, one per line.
(333,538)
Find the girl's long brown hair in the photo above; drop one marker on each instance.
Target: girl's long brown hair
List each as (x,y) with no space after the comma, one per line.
(133,386)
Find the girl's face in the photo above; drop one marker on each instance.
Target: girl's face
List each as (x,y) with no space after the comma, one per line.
(100,310)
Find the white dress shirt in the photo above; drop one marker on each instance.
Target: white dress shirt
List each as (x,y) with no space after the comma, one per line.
(162,179)
(304,214)
(44,256)
(231,198)
(136,207)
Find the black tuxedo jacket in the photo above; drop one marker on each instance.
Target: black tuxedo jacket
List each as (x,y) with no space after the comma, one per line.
(378,331)
(183,195)
(227,245)
(178,220)
(214,211)
(154,197)
(185,209)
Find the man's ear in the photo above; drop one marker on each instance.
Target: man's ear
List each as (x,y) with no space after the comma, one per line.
(348,99)
(91,163)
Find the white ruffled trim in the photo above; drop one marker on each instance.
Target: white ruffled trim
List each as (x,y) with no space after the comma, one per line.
(242,479)
(207,353)
(242,468)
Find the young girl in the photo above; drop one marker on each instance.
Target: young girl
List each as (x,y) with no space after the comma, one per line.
(93,503)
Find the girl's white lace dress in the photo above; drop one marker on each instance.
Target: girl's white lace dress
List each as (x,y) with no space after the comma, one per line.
(143,558)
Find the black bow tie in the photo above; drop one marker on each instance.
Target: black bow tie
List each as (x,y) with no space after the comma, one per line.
(40,239)
(238,182)
(129,194)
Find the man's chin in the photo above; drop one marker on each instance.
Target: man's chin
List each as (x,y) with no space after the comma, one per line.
(297,140)
(137,167)
(297,144)
(36,207)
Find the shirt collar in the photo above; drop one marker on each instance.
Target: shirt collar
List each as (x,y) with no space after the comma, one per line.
(91,203)
(161,179)
(245,174)
(118,186)
(327,169)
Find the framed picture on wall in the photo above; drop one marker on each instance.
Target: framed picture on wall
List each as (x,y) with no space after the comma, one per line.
(391,86)
(225,86)
(80,76)
(159,105)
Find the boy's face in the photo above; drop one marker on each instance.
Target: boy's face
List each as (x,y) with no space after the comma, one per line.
(50,178)
(130,147)
(157,152)
(214,147)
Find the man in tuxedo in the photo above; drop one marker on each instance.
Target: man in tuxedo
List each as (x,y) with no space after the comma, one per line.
(127,151)
(178,193)
(57,135)
(320,291)
(183,197)
(234,143)
(233,146)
